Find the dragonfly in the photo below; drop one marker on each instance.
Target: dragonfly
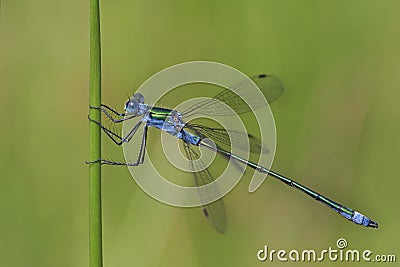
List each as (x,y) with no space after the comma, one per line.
(194,135)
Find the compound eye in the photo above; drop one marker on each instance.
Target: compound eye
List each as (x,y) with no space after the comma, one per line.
(139,97)
(131,107)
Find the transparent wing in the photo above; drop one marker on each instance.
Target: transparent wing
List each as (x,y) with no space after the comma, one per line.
(229,137)
(215,211)
(270,86)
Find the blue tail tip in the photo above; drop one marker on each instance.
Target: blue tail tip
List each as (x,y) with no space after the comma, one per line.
(361,219)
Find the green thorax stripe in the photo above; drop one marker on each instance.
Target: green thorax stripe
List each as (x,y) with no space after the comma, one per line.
(159,113)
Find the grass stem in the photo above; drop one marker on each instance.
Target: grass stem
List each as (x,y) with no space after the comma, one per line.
(95,225)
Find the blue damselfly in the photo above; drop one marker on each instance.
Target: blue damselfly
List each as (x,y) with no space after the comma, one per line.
(193,135)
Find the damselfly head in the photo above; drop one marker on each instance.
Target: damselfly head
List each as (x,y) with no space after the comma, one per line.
(132,106)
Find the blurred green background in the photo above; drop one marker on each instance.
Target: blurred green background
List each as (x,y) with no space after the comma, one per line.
(337,126)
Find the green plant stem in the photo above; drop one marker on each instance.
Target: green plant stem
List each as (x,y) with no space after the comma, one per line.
(95,226)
